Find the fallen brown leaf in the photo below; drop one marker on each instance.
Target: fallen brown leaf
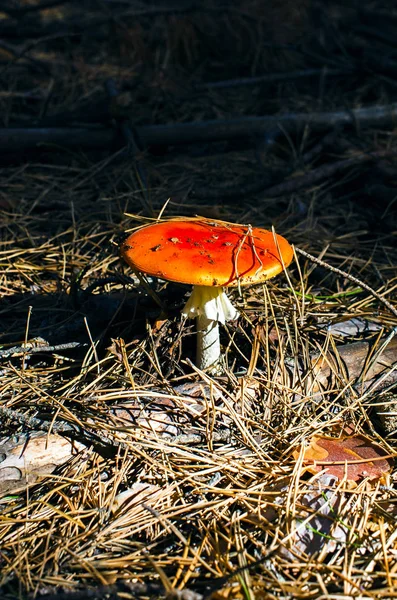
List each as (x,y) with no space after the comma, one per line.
(352,457)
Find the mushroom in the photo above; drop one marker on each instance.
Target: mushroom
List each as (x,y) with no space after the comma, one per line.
(210,255)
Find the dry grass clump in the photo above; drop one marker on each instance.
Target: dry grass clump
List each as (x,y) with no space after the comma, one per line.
(180,482)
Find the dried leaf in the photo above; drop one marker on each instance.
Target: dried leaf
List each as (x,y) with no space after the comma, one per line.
(352,328)
(352,457)
(319,526)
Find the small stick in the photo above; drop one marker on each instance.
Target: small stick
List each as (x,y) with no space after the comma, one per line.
(355,280)
(108,592)
(37,347)
(26,336)
(90,435)
(270,78)
(34,423)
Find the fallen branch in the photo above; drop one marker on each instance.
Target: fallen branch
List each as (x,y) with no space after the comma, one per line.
(20,139)
(181,133)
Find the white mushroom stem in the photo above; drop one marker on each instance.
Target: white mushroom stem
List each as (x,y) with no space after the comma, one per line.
(210,306)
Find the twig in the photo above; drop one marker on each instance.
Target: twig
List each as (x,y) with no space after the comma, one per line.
(91,433)
(355,280)
(197,438)
(107,592)
(88,436)
(271,78)
(34,423)
(37,347)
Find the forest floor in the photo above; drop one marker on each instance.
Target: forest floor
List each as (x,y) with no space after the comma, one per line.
(126,472)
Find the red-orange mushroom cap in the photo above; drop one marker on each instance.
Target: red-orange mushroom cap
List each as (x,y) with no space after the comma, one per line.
(200,252)
(208,255)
